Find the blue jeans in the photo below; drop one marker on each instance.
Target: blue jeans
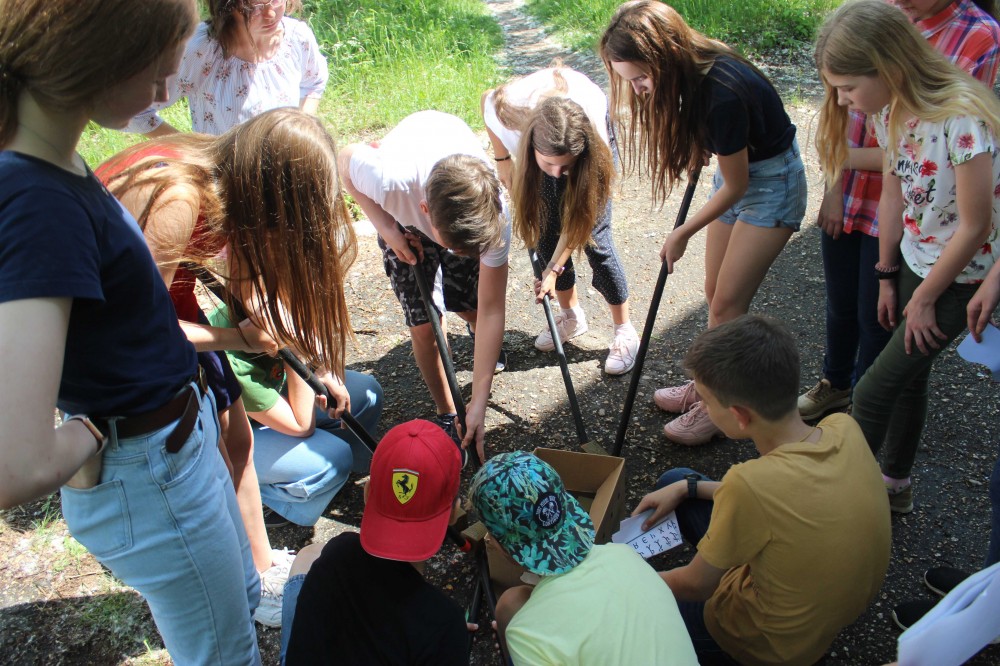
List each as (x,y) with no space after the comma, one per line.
(776,193)
(854,338)
(993,554)
(693,517)
(168,525)
(299,476)
(293,587)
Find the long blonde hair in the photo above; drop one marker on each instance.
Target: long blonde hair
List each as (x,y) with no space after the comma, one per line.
(872,38)
(270,189)
(514,116)
(558,127)
(665,132)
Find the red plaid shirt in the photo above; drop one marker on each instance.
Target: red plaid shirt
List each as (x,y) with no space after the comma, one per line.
(971,39)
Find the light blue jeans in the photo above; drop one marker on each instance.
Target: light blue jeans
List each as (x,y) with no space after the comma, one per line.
(299,476)
(290,599)
(168,525)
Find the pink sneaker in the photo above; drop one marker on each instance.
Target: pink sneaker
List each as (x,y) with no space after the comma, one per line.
(693,428)
(677,399)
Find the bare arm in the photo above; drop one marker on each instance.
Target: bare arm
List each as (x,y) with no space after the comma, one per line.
(490,320)
(310,105)
(36,459)
(294,416)
(562,253)
(696,581)
(505,167)
(890,233)
(865,159)
(735,171)
(974,197)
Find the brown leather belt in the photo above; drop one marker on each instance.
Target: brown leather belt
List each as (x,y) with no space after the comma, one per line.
(184,406)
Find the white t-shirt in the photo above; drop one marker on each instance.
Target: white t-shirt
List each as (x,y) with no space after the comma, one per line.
(393,175)
(528,91)
(224,92)
(925,162)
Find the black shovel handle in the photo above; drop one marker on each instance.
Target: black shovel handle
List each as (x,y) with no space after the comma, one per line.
(574,405)
(442,344)
(647,331)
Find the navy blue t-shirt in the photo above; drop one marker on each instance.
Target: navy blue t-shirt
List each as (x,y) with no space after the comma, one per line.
(66,236)
(743,110)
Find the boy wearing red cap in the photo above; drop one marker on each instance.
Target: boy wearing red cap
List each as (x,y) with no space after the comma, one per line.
(364,599)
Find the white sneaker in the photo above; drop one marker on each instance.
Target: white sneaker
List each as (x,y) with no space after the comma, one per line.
(622,353)
(272,588)
(568,327)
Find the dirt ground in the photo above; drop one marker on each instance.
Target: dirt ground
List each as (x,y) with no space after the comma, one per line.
(57,606)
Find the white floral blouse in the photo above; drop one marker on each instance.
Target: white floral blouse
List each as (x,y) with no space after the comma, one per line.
(924,161)
(224,92)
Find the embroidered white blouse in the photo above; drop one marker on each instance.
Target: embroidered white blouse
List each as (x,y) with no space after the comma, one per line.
(223,92)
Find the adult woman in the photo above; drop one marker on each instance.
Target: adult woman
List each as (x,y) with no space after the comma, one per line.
(937,212)
(691,96)
(248,57)
(551,121)
(84,313)
(267,192)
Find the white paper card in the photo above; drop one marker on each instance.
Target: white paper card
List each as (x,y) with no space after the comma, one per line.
(986,352)
(663,536)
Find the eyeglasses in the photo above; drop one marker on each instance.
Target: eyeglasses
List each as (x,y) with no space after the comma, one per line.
(258,8)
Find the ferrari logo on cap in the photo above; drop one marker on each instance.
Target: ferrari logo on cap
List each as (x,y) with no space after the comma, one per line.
(404,484)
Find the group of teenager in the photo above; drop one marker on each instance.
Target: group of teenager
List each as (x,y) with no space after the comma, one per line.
(183,436)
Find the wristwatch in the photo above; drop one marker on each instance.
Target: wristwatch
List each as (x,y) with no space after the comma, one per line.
(692,480)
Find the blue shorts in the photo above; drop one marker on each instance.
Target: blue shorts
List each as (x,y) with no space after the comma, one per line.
(776,193)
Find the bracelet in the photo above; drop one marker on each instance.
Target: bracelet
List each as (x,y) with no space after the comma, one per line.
(558,270)
(502,159)
(886,272)
(101,438)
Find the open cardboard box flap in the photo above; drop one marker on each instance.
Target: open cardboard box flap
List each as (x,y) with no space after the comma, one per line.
(596,481)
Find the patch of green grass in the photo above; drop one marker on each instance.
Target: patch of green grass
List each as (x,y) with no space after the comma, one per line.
(393,58)
(748,25)
(386,59)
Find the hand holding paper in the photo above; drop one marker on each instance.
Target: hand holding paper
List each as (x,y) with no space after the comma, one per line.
(661,537)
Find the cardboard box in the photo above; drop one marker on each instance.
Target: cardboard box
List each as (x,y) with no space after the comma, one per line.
(597,482)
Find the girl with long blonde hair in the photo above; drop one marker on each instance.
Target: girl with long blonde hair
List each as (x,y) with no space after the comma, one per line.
(679,97)
(938,212)
(261,207)
(85,314)
(561,189)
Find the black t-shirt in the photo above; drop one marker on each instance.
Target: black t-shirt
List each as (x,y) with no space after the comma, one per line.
(355,608)
(743,110)
(65,236)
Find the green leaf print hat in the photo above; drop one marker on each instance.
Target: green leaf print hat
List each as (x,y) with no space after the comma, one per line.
(524,505)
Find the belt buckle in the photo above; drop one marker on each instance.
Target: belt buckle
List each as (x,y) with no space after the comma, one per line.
(201,380)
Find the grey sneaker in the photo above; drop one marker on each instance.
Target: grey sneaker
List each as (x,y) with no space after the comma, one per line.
(272,589)
(568,327)
(822,398)
(901,501)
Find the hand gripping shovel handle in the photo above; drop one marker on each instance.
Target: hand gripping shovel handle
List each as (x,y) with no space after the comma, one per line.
(286,355)
(647,331)
(574,405)
(442,344)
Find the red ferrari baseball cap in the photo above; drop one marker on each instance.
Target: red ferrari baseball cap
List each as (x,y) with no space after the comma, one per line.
(415,474)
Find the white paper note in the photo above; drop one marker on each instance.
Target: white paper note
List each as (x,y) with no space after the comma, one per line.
(663,536)
(986,352)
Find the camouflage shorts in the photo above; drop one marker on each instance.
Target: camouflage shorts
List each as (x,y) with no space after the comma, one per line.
(454,280)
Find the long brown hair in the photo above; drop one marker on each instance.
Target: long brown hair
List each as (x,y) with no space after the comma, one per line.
(559,127)
(271,189)
(227,18)
(872,38)
(665,132)
(59,49)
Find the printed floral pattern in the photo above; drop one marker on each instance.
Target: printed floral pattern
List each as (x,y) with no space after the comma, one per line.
(225,92)
(925,161)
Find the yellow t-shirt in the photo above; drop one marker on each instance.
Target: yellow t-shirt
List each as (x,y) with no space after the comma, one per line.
(612,608)
(805,534)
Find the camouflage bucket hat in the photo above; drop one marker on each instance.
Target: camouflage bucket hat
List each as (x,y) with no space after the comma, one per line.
(524,505)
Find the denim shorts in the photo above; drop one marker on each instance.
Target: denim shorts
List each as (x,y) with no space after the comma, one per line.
(776,193)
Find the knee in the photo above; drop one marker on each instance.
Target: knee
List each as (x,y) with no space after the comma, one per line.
(673,476)
(722,309)
(304,559)
(423,335)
